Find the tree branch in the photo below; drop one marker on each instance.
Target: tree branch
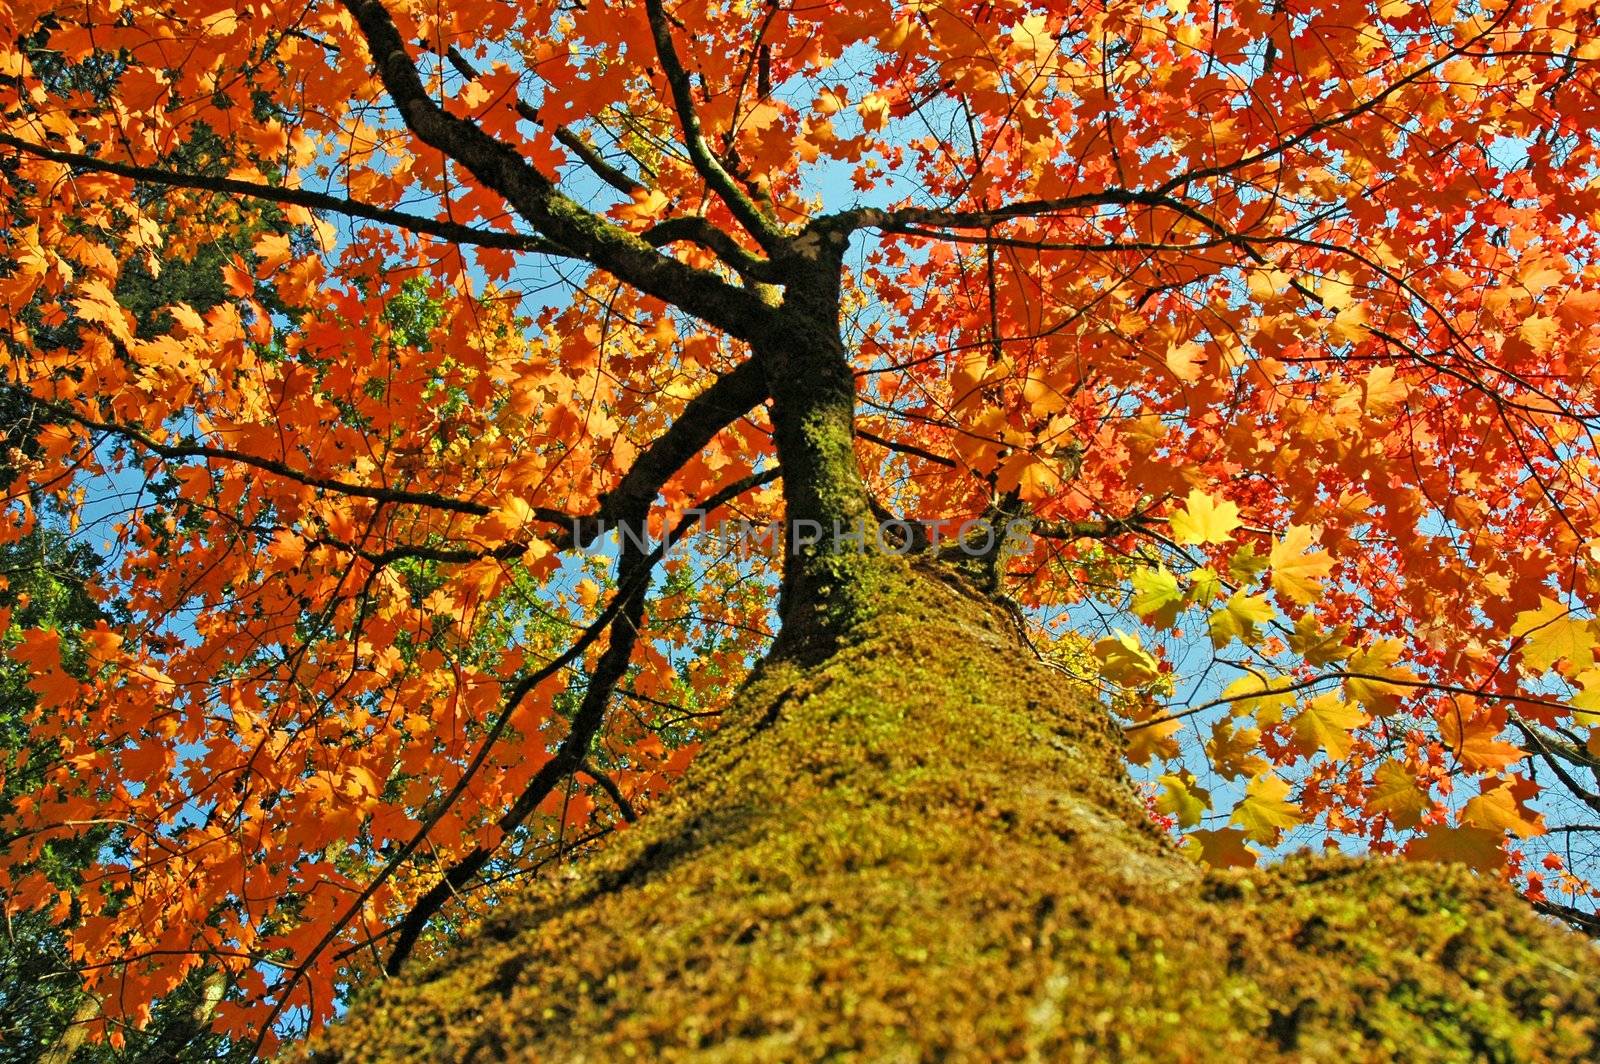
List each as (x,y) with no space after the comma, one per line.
(1588,923)
(614,792)
(288,472)
(770,235)
(502,169)
(729,398)
(632,585)
(699,230)
(602,169)
(905,448)
(299,197)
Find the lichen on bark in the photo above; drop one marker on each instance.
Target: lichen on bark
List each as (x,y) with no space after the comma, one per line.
(924,846)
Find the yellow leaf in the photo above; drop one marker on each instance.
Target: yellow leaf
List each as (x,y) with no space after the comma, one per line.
(1478,848)
(1395,792)
(1204,586)
(1124,662)
(1223,848)
(874,111)
(1233,751)
(1258,697)
(1152,740)
(273,250)
(1498,808)
(1296,574)
(1326,724)
(1537,330)
(1185,360)
(1205,519)
(1586,704)
(507,520)
(1246,564)
(1238,617)
(1265,811)
(1347,326)
(1318,645)
(1371,667)
(1383,392)
(1551,633)
(1264,283)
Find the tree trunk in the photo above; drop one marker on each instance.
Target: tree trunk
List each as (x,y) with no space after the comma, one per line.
(924,846)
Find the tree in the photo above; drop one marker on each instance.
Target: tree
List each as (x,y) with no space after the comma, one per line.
(48,581)
(1206,387)
(44,1015)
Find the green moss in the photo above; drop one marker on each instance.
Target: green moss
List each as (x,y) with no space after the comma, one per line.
(925,847)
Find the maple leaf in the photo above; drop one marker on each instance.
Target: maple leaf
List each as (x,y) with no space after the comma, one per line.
(1265,698)
(1327,723)
(1382,392)
(1151,741)
(237,277)
(1232,749)
(1296,574)
(1265,810)
(1550,634)
(40,650)
(1472,736)
(1183,799)
(1186,361)
(1031,477)
(1245,564)
(1221,848)
(1156,597)
(1124,662)
(1538,331)
(1238,617)
(1204,587)
(1477,848)
(1318,645)
(1499,807)
(1586,703)
(1369,668)
(1204,519)
(98,304)
(1396,793)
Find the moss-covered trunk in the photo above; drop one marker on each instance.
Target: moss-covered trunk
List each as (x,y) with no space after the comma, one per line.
(924,847)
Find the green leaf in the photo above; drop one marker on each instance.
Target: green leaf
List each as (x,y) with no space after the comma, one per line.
(1246,564)
(1183,799)
(1156,597)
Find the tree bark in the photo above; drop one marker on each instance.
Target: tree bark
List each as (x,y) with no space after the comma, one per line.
(923,845)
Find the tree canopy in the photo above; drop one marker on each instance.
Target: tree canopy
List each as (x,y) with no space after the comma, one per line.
(1249,350)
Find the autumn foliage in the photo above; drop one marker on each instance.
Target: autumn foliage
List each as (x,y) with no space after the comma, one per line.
(1275,328)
